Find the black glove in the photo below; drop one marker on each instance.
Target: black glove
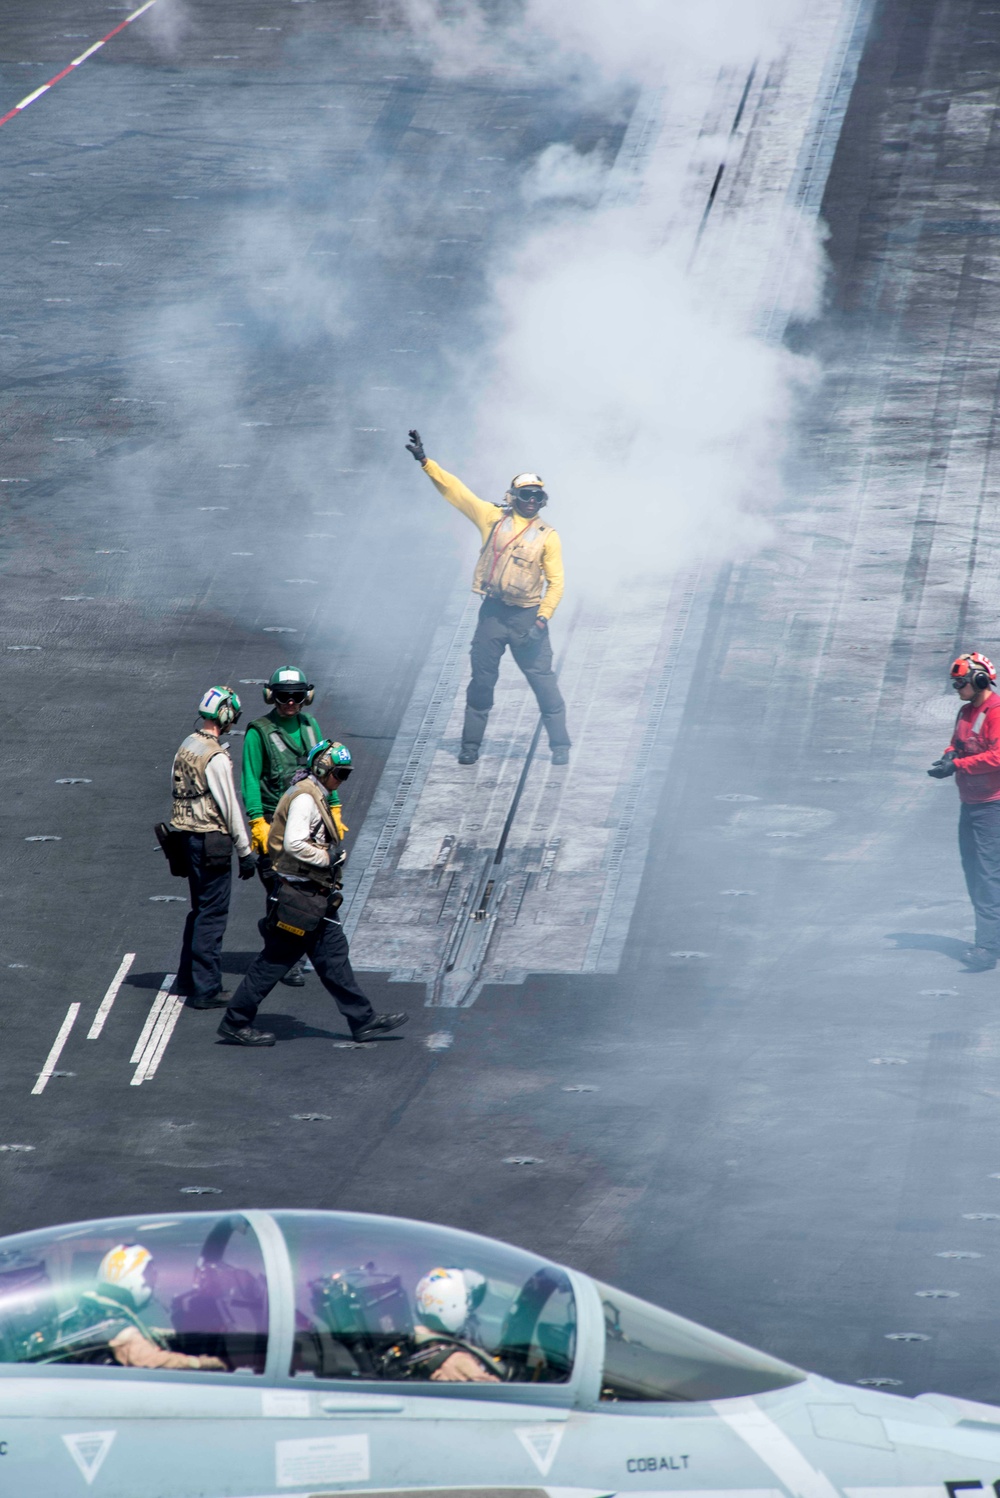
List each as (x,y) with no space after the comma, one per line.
(338,858)
(943,767)
(248,866)
(416,447)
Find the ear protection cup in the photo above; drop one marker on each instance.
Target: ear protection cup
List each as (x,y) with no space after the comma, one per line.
(267,695)
(309,696)
(975,670)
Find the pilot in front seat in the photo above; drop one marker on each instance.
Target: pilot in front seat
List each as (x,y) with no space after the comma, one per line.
(108,1316)
(446,1337)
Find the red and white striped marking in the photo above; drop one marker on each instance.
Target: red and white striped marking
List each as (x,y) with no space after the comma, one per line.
(76,62)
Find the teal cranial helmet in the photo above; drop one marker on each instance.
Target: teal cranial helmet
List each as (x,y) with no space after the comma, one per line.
(329,757)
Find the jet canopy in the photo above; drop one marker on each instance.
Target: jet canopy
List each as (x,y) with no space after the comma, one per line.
(346,1298)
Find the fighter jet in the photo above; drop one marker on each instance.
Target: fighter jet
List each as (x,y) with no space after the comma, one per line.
(266,1353)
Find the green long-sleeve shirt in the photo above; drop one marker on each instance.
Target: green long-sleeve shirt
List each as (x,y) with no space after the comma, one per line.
(255,760)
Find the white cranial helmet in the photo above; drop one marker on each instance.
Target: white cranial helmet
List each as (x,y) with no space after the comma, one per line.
(443,1299)
(125,1267)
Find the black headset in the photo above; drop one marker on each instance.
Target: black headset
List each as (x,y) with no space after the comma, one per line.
(975,677)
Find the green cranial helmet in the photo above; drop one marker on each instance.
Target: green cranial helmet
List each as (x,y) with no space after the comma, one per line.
(289,682)
(329,757)
(220,705)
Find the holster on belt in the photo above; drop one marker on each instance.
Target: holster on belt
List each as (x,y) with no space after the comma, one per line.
(174,845)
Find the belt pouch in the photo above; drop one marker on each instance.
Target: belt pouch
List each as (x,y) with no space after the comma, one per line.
(218,850)
(174,845)
(298,910)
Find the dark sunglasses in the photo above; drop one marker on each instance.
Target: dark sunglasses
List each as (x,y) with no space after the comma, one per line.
(289,696)
(958,682)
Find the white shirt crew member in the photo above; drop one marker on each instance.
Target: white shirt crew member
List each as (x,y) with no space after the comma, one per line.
(219,775)
(306,837)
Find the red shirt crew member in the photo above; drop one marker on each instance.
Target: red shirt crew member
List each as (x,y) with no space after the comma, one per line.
(973,757)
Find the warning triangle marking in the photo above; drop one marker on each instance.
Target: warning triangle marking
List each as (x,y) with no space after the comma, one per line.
(89,1450)
(541,1442)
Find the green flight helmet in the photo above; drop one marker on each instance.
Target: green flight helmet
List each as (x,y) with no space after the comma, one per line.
(327,757)
(290,679)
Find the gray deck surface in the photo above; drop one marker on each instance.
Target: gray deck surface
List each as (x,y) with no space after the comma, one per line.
(222,309)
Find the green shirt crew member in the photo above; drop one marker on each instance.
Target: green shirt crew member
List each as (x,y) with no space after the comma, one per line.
(275,746)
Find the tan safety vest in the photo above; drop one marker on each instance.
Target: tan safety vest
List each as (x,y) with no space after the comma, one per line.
(287,863)
(510,567)
(195,809)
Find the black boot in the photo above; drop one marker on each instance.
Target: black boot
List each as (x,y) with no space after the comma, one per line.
(379,1024)
(243,1034)
(979,960)
(217,1000)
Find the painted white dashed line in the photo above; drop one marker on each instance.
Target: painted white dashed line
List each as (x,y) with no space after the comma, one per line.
(152,1017)
(159,1039)
(56,1051)
(75,64)
(104,1007)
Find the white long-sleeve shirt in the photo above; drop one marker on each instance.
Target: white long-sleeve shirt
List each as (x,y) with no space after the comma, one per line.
(306,837)
(219,774)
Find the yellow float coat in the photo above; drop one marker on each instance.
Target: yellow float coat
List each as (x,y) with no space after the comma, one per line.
(485,516)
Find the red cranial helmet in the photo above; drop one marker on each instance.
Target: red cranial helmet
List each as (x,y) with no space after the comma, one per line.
(973,670)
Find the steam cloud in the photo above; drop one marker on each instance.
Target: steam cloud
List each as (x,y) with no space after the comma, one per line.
(168,24)
(643,393)
(641,41)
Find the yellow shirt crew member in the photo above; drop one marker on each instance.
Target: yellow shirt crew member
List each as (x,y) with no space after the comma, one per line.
(519,574)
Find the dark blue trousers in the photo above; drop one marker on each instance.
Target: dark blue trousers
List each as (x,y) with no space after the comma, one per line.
(328,949)
(500,625)
(199,973)
(979,845)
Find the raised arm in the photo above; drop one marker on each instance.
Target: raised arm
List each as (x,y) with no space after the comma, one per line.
(481,513)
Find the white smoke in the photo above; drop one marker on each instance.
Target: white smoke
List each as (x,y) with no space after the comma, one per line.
(659,427)
(562,172)
(643,392)
(653,401)
(168,24)
(633,40)
(648,41)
